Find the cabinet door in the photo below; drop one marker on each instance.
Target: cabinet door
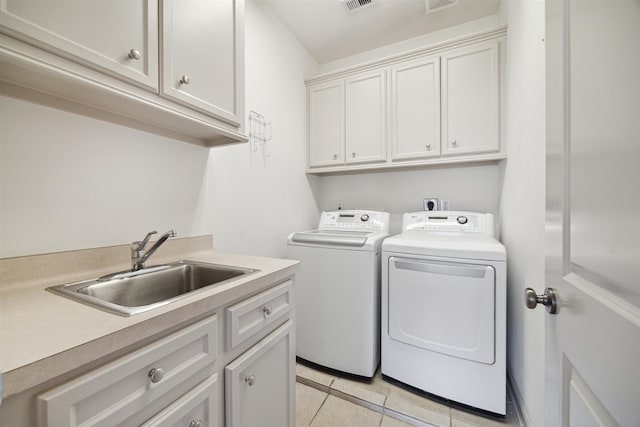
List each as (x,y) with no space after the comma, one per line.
(326,124)
(260,384)
(197,408)
(366,118)
(415,109)
(203,56)
(470,100)
(119,37)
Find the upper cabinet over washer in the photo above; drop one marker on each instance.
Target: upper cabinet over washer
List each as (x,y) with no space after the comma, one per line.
(438,105)
(173,67)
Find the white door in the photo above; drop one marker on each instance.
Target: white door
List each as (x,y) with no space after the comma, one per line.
(366,118)
(326,124)
(415,109)
(203,56)
(593,212)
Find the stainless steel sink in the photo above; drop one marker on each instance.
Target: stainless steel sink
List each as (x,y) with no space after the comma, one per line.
(131,292)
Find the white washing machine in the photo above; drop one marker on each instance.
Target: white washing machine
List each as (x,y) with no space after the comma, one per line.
(338,290)
(444,308)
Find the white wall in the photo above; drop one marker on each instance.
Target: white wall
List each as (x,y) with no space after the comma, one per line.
(258,201)
(468,187)
(523,200)
(70,182)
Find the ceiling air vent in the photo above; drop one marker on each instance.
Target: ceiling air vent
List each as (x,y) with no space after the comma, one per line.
(357,5)
(435,5)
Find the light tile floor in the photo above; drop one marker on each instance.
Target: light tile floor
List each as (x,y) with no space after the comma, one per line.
(326,400)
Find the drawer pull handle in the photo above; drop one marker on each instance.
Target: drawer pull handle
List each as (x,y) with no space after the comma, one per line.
(267,310)
(195,423)
(250,379)
(156,374)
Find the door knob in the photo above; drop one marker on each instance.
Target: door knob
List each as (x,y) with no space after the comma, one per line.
(549,299)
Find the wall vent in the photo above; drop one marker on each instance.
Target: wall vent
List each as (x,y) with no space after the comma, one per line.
(435,5)
(357,5)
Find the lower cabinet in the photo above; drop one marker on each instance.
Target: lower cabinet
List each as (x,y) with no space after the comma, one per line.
(260,384)
(193,377)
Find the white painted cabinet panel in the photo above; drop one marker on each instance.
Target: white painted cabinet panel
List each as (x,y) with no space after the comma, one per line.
(366,118)
(203,55)
(260,384)
(326,124)
(131,389)
(471,100)
(197,408)
(118,37)
(415,109)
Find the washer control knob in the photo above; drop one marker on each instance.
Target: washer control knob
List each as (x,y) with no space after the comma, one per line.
(364,218)
(462,220)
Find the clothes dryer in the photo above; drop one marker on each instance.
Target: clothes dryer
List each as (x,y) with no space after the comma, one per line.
(444,308)
(337,290)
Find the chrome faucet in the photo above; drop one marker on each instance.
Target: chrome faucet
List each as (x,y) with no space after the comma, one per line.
(138,253)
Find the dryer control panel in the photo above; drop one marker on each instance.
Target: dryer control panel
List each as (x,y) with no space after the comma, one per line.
(449,221)
(354,220)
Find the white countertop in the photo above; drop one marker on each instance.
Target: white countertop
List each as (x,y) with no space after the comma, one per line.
(43,335)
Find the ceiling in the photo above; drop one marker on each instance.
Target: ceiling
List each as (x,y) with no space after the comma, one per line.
(329,31)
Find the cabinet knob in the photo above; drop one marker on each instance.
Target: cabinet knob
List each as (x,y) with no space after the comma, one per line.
(156,374)
(195,423)
(184,80)
(353,155)
(267,310)
(454,142)
(250,379)
(134,54)
(428,147)
(335,157)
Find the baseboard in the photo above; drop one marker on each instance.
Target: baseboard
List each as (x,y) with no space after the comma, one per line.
(518,403)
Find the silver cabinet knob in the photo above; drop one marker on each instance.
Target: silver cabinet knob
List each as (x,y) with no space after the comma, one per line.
(428,147)
(195,423)
(353,155)
(156,374)
(250,379)
(335,157)
(454,142)
(184,80)
(134,54)
(267,310)
(548,299)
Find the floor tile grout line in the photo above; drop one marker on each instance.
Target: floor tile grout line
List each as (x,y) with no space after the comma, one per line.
(319,408)
(364,403)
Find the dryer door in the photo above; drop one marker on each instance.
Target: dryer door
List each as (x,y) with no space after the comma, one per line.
(444,307)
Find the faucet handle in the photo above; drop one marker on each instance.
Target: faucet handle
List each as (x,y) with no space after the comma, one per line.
(141,245)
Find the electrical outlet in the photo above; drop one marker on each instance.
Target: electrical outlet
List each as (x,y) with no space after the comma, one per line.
(339,205)
(444,205)
(430,204)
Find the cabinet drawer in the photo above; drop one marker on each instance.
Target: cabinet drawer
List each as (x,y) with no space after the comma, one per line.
(124,392)
(197,408)
(259,313)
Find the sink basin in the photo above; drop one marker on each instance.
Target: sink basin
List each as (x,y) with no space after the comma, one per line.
(131,292)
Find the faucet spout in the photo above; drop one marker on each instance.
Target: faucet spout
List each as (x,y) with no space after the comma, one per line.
(138,253)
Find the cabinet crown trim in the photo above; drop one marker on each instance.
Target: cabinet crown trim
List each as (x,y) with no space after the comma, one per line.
(432,49)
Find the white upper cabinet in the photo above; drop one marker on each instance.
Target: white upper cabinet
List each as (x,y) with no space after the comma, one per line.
(415,109)
(434,106)
(203,55)
(366,118)
(471,100)
(326,124)
(118,37)
(172,67)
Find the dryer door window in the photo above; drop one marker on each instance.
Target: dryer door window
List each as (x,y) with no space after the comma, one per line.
(444,307)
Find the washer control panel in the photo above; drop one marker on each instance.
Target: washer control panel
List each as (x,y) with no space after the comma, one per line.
(354,220)
(448,221)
